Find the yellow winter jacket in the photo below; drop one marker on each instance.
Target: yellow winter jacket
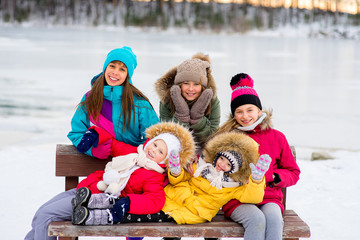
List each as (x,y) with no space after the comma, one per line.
(191,200)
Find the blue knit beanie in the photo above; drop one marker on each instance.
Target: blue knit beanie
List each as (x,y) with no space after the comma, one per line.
(125,55)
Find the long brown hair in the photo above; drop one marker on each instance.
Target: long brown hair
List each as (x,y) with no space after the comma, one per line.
(94,100)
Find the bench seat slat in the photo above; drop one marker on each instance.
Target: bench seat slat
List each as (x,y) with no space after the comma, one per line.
(219,227)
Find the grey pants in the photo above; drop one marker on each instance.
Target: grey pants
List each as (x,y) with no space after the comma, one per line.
(56,209)
(264,222)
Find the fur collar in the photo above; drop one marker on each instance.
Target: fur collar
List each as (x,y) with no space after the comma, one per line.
(185,137)
(238,142)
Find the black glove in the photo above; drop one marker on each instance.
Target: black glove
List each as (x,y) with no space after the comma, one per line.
(120,208)
(90,138)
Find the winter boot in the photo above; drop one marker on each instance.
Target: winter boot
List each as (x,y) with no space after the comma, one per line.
(84,216)
(82,197)
(100,201)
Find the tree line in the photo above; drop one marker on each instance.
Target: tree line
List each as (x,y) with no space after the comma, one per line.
(237,16)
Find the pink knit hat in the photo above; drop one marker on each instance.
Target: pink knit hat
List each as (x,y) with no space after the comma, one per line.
(243,92)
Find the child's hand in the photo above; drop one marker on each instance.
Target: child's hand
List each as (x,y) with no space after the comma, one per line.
(258,171)
(102,151)
(90,138)
(198,109)
(189,167)
(120,208)
(174,163)
(182,110)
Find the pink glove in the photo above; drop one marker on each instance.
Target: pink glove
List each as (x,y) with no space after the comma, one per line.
(102,151)
(258,171)
(174,163)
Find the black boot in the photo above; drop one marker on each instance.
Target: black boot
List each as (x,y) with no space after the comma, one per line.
(79,216)
(81,198)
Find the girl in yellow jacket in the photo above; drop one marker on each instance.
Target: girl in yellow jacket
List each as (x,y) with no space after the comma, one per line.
(225,171)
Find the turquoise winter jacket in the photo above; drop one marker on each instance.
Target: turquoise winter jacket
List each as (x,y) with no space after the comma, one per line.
(144,117)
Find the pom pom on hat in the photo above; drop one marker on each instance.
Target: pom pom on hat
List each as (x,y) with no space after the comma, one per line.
(234,159)
(194,70)
(243,92)
(241,80)
(124,55)
(172,142)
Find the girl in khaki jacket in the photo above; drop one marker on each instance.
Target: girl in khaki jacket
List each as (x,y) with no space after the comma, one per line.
(187,95)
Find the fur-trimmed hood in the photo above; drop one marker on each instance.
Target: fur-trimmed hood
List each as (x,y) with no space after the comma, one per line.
(165,82)
(267,122)
(240,143)
(185,137)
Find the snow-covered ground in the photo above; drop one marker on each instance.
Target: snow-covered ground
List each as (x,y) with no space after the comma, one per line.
(313,85)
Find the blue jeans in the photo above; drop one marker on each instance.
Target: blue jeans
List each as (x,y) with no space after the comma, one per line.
(264,222)
(56,209)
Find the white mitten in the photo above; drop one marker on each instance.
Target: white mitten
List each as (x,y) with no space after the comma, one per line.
(111,176)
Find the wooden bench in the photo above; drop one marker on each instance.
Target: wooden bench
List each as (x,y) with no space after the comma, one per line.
(71,164)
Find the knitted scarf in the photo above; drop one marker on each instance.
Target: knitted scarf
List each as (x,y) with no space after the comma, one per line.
(253,126)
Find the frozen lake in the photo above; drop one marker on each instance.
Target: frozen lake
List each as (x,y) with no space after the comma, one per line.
(313,85)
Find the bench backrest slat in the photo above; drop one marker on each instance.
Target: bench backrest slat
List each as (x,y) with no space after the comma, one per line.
(70,162)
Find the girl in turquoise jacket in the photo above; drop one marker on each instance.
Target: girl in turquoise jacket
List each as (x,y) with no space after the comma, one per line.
(114,105)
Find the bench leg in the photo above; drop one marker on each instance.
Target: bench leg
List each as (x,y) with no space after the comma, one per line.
(68,238)
(71,182)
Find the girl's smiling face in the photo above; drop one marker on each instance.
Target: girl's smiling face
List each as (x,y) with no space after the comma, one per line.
(116,73)
(190,90)
(156,151)
(222,164)
(247,114)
